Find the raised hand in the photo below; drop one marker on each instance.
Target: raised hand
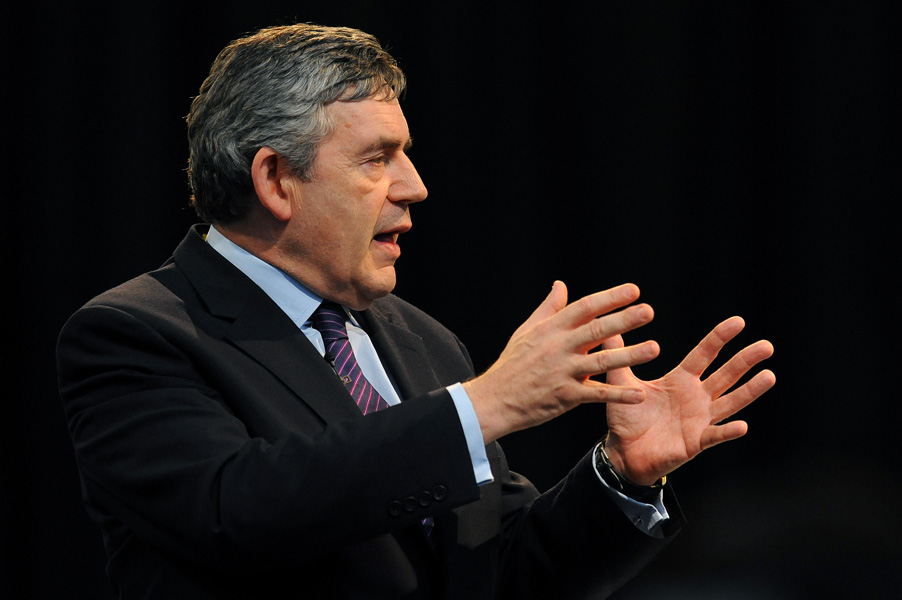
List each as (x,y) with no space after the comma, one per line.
(682,413)
(546,367)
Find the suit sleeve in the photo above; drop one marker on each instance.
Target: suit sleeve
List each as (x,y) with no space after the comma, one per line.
(573,542)
(211,461)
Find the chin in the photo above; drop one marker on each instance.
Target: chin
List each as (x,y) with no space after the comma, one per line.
(377,288)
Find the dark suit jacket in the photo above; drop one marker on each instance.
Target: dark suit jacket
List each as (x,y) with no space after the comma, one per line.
(222,458)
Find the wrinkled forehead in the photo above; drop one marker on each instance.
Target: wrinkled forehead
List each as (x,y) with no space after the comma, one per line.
(373,123)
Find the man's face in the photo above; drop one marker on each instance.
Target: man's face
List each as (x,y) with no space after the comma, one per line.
(346,220)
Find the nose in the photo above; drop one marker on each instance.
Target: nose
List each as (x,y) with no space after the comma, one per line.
(407,187)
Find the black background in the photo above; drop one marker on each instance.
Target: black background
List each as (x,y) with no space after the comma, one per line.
(727,157)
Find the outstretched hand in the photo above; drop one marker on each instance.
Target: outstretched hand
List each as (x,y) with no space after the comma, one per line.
(547,366)
(682,413)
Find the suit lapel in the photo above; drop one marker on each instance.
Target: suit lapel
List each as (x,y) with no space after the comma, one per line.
(401,351)
(269,336)
(255,324)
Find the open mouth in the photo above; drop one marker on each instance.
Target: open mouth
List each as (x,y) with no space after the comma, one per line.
(387,237)
(390,236)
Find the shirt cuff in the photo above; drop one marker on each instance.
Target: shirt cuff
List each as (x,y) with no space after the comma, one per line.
(482,470)
(646,517)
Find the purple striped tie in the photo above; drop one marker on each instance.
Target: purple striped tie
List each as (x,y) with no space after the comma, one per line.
(329,319)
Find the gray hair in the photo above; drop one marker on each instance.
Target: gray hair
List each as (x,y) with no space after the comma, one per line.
(271,89)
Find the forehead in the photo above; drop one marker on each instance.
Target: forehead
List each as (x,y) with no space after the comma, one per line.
(360,124)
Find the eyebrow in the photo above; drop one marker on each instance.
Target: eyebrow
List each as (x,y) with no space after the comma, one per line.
(384,143)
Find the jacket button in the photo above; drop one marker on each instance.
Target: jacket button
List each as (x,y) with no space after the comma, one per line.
(424,498)
(410,504)
(439,493)
(394,508)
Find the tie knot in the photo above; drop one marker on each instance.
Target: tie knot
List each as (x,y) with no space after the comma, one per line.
(329,320)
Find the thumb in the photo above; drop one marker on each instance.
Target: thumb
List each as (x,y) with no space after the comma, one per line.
(616,376)
(613,342)
(554,302)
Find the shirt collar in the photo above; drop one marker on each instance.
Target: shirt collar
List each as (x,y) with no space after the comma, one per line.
(290,295)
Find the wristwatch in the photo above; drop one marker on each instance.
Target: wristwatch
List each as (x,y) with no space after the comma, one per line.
(642,493)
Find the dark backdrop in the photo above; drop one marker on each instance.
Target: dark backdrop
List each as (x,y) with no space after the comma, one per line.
(728,157)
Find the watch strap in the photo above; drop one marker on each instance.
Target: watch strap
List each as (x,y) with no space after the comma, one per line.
(642,493)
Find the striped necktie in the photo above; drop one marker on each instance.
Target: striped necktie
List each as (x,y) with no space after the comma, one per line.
(329,319)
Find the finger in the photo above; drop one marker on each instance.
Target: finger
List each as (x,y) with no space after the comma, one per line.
(553,303)
(605,361)
(596,391)
(594,305)
(593,333)
(620,376)
(742,396)
(718,434)
(704,354)
(727,375)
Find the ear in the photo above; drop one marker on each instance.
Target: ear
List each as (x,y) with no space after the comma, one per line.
(269,173)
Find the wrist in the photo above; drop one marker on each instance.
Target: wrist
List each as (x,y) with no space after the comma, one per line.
(611,476)
(490,420)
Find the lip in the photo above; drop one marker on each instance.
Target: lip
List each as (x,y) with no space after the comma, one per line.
(387,239)
(390,236)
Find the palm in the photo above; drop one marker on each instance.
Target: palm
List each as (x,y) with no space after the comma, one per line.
(682,412)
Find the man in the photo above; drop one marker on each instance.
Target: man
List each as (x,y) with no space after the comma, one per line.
(261,418)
